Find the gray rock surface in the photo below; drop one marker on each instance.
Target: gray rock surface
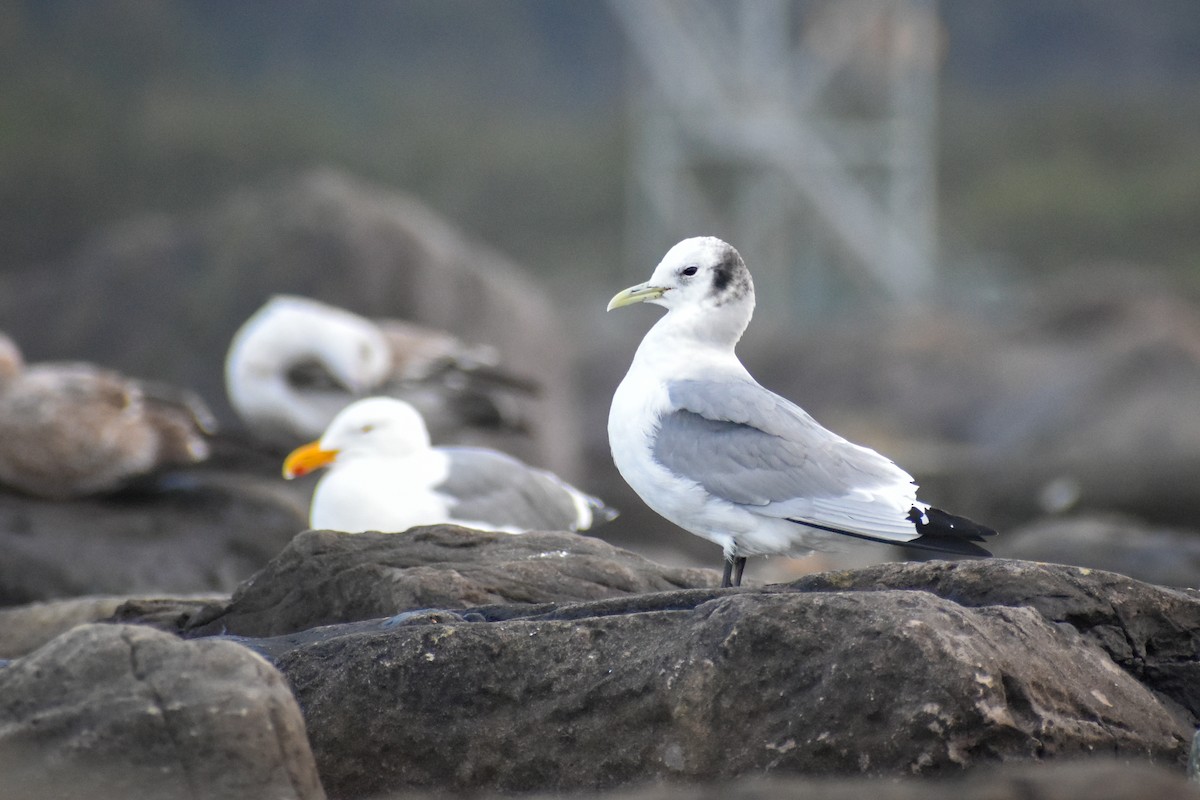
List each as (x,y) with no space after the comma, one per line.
(494,670)
(25,628)
(1152,632)
(325,577)
(205,533)
(110,712)
(837,675)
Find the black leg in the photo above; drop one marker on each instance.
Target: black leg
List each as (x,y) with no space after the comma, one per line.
(725,578)
(739,564)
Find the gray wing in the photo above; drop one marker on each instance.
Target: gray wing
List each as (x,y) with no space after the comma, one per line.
(491,487)
(750,446)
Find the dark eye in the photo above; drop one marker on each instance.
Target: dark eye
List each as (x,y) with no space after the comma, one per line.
(689,270)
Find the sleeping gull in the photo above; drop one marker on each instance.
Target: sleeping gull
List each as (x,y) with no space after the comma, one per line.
(296,362)
(74,429)
(384,476)
(707,447)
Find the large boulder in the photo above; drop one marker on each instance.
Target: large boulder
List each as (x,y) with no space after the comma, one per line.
(206,532)
(108,712)
(185,283)
(1152,632)
(325,577)
(929,670)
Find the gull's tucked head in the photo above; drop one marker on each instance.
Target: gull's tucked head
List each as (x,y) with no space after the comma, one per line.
(289,331)
(377,427)
(702,272)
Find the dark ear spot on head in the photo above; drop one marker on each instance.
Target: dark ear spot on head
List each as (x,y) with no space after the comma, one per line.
(725,270)
(730,280)
(722,275)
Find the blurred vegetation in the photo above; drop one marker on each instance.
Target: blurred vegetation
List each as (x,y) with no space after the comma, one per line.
(1069,130)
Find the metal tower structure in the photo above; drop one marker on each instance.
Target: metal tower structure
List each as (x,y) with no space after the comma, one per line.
(800,130)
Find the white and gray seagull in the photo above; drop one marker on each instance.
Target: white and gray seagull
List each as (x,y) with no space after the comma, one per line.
(296,362)
(384,475)
(707,447)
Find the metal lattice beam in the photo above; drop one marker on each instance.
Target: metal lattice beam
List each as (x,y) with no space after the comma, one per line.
(735,82)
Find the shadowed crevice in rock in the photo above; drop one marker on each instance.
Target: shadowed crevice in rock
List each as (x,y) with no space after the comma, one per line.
(25,628)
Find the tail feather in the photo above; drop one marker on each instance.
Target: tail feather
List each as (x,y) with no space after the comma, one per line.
(937,531)
(947,533)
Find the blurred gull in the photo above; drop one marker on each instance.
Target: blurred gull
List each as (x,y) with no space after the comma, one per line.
(75,429)
(384,476)
(297,362)
(707,447)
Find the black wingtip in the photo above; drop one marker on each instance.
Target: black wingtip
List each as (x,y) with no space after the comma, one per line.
(947,533)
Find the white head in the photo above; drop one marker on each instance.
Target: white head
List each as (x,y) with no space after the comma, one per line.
(704,281)
(377,427)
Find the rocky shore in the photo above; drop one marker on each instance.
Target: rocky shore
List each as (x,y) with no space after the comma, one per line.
(446,662)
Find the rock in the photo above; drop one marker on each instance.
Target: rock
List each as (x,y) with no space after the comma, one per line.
(840,675)
(108,712)
(1113,542)
(185,283)
(1152,632)
(25,628)
(324,577)
(205,533)
(168,614)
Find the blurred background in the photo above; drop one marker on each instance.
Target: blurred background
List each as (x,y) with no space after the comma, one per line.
(974,226)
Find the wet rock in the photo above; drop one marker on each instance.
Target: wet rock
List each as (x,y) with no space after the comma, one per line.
(842,676)
(109,711)
(325,577)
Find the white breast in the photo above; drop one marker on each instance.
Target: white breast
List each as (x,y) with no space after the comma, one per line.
(381,494)
(638,404)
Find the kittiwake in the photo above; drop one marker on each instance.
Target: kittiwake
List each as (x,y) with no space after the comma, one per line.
(708,448)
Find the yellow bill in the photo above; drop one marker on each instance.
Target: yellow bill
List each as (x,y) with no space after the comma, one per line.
(306,458)
(636,294)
